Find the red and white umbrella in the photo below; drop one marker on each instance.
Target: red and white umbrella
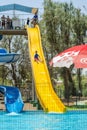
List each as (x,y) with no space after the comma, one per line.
(76,55)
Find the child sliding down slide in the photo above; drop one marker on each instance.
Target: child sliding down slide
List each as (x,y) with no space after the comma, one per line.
(37,57)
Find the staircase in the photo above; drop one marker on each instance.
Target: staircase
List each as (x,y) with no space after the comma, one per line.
(2,106)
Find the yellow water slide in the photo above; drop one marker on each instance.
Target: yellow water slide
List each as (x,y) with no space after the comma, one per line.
(44,90)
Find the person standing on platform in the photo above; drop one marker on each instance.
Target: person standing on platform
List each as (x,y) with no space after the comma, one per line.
(35,19)
(28,21)
(8,22)
(3,21)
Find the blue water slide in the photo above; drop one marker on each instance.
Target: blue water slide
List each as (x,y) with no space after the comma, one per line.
(12,98)
(6,57)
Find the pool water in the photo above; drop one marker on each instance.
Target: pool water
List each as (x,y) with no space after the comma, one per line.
(38,120)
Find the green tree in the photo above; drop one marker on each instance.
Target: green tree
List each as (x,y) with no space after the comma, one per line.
(21,70)
(60,26)
(79,28)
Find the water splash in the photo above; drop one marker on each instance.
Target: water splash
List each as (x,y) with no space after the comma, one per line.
(12,114)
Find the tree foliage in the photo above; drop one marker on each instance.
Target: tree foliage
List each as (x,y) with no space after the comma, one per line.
(64,26)
(21,70)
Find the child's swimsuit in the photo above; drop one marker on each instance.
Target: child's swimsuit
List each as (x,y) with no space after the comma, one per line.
(36,56)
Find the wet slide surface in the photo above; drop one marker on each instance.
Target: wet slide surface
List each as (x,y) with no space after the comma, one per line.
(44,90)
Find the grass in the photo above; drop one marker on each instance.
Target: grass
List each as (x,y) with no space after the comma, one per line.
(77,107)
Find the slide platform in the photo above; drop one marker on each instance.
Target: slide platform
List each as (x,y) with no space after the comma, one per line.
(44,90)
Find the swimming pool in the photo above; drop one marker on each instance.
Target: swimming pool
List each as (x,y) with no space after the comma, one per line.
(38,120)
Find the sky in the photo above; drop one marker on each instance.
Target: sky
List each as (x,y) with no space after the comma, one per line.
(39,4)
(78,4)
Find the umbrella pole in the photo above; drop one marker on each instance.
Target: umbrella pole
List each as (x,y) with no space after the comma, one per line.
(79,80)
